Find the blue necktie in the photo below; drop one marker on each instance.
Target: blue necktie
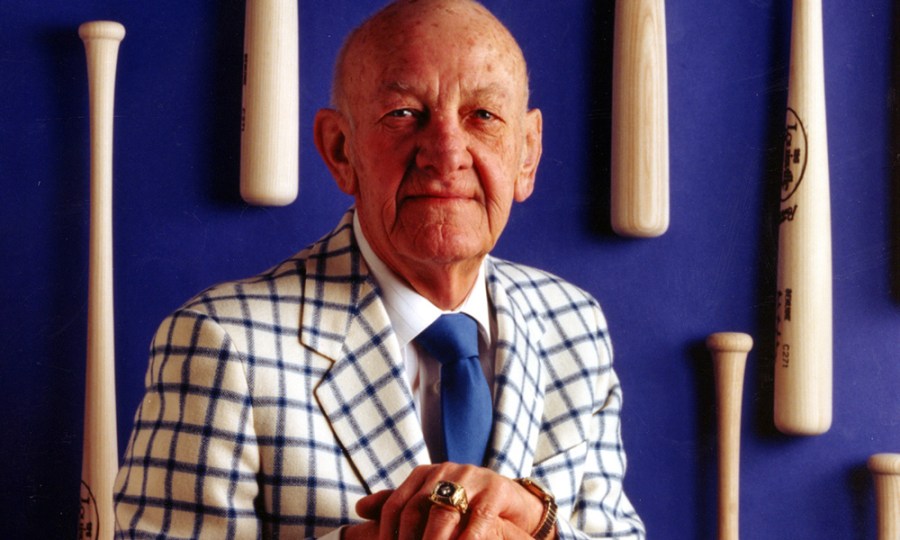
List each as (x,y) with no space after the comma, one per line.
(466,405)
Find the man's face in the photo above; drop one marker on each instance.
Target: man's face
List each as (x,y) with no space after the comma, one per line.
(439,140)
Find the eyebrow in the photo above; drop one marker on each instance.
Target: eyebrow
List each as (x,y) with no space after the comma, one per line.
(490,91)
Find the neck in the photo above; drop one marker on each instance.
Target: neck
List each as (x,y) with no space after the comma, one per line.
(445,286)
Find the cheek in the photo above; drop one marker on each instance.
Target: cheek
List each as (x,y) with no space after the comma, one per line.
(370,160)
(499,169)
(379,166)
(383,154)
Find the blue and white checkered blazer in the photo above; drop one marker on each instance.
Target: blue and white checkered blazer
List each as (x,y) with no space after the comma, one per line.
(274,403)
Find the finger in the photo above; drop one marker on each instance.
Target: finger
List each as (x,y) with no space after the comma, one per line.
(369,507)
(442,522)
(361,531)
(405,503)
(411,520)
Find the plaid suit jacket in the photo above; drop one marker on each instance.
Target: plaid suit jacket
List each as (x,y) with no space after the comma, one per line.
(274,403)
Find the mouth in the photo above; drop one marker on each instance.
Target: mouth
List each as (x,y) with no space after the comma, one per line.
(440,193)
(438,198)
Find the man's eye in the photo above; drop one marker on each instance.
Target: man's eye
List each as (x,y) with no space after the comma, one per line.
(482,114)
(402,113)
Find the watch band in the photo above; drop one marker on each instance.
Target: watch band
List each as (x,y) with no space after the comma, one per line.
(548,519)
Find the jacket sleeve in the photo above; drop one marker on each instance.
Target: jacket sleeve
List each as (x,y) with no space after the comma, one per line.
(599,508)
(190,467)
(602,509)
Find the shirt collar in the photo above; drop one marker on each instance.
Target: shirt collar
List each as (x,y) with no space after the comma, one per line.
(411,313)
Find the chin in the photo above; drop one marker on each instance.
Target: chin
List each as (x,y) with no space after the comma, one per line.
(445,249)
(442,236)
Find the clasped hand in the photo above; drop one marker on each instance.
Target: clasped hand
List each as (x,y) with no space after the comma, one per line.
(498,508)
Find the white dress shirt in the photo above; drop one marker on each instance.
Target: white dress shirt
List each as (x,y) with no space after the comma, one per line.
(410,313)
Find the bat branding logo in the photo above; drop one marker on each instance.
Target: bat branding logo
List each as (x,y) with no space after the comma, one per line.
(89,516)
(795,154)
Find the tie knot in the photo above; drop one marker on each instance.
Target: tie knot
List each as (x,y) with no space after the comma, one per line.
(450,338)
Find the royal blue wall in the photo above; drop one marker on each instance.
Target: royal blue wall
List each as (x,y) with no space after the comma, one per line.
(180,226)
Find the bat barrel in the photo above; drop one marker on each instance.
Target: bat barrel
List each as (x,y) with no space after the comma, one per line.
(639,172)
(270,116)
(803,352)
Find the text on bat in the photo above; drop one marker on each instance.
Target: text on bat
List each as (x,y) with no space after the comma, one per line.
(787,304)
(787,214)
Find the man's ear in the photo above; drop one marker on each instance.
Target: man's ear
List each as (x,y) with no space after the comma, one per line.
(531,155)
(330,133)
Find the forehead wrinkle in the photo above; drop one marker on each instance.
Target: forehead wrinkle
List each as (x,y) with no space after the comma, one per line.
(397,87)
(479,91)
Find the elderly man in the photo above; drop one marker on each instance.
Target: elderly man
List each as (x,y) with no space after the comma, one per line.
(319,398)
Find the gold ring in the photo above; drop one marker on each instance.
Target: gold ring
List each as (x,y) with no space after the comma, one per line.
(450,495)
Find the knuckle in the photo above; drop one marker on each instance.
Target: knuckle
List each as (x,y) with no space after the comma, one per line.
(483,514)
(444,468)
(421,471)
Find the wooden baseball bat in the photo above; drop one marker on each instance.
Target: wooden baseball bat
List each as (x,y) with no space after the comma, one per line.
(639,174)
(270,116)
(885,470)
(729,353)
(100,460)
(803,362)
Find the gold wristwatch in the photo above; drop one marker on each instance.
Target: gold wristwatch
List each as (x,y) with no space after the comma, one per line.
(548,520)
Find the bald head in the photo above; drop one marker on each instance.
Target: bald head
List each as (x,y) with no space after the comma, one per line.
(403,23)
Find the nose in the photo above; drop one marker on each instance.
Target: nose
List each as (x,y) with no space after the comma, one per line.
(443,145)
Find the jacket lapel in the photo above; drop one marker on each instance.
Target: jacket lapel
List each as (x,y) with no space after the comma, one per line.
(519,381)
(364,394)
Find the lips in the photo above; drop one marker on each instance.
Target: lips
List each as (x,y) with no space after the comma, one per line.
(438,191)
(439,196)
(438,200)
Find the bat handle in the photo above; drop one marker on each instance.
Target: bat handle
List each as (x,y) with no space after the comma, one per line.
(101,457)
(729,353)
(885,469)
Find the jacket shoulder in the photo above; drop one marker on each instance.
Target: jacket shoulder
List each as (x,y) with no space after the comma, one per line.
(543,292)
(282,284)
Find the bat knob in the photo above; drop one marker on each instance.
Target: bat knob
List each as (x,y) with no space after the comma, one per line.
(729,342)
(884,464)
(101,30)
(885,469)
